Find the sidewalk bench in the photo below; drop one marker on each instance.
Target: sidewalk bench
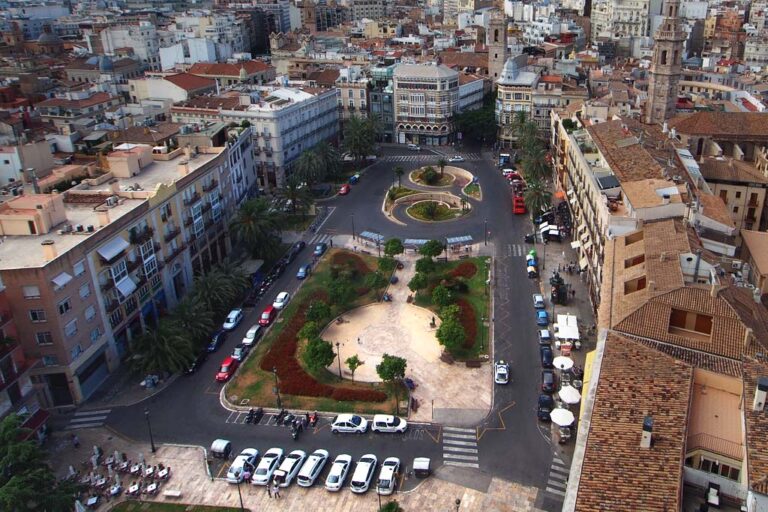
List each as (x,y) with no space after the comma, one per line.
(172,493)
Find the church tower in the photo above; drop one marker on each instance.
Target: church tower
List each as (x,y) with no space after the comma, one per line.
(497,45)
(665,66)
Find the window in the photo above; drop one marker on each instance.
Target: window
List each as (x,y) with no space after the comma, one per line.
(738,195)
(735,209)
(119,270)
(44,338)
(690,322)
(31,292)
(79,268)
(50,361)
(95,334)
(37,315)
(90,312)
(85,291)
(75,352)
(631,262)
(634,285)
(71,328)
(65,306)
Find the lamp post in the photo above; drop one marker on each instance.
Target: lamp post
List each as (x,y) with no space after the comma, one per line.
(379,495)
(458,504)
(353,227)
(485,231)
(277,388)
(338,355)
(237,477)
(149,426)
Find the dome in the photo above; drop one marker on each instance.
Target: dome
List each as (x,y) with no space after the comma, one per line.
(105,64)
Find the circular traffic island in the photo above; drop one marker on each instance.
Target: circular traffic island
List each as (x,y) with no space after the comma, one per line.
(435,211)
(430,177)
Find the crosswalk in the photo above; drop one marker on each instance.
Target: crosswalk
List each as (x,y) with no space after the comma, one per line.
(428,158)
(88,419)
(558,477)
(516,250)
(460,447)
(320,238)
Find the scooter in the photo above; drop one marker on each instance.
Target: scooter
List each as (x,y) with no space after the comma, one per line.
(313,419)
(296,429)
(249,416)
(288,419)
(280,415)
(387,297)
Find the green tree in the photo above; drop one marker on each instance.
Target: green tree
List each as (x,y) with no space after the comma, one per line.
(360,137)
(257,226)
(353,363)
(449,311)
(399,171)
(537,197)
(387,264)
(418,281)
(425,265)
(341,292)
(429,209)
(474,124)
(27,482)
(441,296)
(391,506)
(162,349)
(297,193)
(318,354)
(391,370)
(451,333)
(431,249)
(375,280)
(393,247)
(328,159)
(233,274)
(309,330)
(216,293)
(319,311)
(441,163)
(429,175)
(535,166)
(308,168)
(193,318)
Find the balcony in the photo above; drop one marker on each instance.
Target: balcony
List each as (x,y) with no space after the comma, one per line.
(268,152)
(105,287)
(192,200)
(267,136)
(187,221)
(238,178)
(206,207)
(210,186)
(175,253)
(111,306)
(172,234)
(138,237)
(132,265)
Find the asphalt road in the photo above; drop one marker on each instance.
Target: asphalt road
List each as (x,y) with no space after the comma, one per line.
(512,444)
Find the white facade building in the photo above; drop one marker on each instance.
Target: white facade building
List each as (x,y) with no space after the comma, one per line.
(142,38)
(615,18)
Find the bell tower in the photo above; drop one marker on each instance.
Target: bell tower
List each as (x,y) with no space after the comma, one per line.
(666,66)
(496,39)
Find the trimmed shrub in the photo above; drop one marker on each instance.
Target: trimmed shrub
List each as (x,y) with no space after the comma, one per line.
(468,320)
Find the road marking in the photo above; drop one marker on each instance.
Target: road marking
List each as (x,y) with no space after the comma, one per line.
(555,483)
(556,491)
(88,419)
(457,449)
(557,469)
(460,443)
(91,413)
(558,477)
(460,436)
(459,429)
(459,457)
(84,425)
(462,464)
(503,427)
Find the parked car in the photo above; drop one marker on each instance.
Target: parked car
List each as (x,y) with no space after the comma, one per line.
(344,190)
(290,467)
(388,476)
(456,158)
(227,369)
(361,478)
(267,316)
(546,404)
(320,249)
(545,352)
(538,301)
(217,339)
(233,319)
(239,352)
(338,473)
(387,423)
(501,372)
(197,362)
(349,424)
(530,238)
(246,460)
(414,147)
(253,334)
(267,465)
(542,318)
(545,337)
(547,216)
(312,468)
(304,271)
(547,381)
(281,300)
(518,205)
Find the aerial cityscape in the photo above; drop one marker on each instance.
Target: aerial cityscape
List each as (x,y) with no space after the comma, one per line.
(384,255)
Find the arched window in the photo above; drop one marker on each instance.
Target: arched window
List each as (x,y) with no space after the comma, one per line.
(663,57)
(496,35)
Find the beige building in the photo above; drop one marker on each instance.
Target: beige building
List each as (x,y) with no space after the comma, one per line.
(741,187)
(352,87)
(755,255)
(426,97)
(514,97)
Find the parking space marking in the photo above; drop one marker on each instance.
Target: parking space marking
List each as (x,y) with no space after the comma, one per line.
(481,432)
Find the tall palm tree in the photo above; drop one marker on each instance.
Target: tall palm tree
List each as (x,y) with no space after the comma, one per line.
(537,197)
(194,319)
(234,274)
(308,168)
(399,171)
(441,164)
(297,193)
(328,159)
(257,225)
(535,166)
(360,137)
(213,290)
(162,349)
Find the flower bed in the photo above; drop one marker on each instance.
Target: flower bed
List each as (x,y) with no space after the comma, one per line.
(468,321)
(351,260)
(465,269)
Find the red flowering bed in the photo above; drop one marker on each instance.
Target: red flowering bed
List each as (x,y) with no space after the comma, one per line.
(468,321)
(351,260)
(465,269)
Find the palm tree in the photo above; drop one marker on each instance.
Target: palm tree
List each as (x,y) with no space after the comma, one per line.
(308,168)
(441,164)
(194,319)
(233,273)
(213,290)
(534,163)
(360,137)
(162,349)
(328,159)
(399,171)
(257,225)
(297,193)
(537,197)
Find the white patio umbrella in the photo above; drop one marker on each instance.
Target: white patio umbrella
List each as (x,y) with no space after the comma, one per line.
(96,450)
(563,363)
(116,456)
(141,458)
(110,471)
(562,417)
(569,395)
(117,479)
(95,462)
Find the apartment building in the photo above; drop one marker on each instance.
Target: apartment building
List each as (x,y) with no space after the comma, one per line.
(94,69)
(176,87)
(352,86)
(72,106)
(426,97)
(756,52)
(617,18)
(142,39)
(382,100)
(88,269)
(741,187)
(285,122)
(514,95)
(245,72)
(370,9)
(220,27)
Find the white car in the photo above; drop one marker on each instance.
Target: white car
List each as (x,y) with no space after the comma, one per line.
(349,424)
(290,467)
(501,373)
(456,158)
(361,478)
(388,476)
(338,473)
(538,301)
(282,300)
(312,468)
(233,319)
(246,460)
(267,466)
(387,423)
(252,335)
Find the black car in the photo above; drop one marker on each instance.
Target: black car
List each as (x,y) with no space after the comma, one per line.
(545,351)
(199,360)
(530,238)
(548,216)
(548,381)
(296,249)
(546,404)
(217,339)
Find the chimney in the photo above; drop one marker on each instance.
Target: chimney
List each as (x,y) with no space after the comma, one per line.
(103,216)
(188,151)
(665,128)
(651,286)
(748,333)
(115,187)
(33,180)
(183,168)
(760,392)
(665,199)
(49,250)
(647,438)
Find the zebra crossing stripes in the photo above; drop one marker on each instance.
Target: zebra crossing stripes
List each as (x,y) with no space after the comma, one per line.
(320,238)
(558,478)
(516,250)
(460,447)
(88,419)
(427,158)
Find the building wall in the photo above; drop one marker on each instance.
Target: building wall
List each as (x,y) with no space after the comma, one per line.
(745,203)
(424,107)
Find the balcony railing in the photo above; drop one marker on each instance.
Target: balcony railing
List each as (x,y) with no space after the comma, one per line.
(187,221)
(192,200)
(210,186)
(140,236)
(714,444)
(175,253)
(111,306)
(105,287)
(206,207)
(132,265)
(172,234)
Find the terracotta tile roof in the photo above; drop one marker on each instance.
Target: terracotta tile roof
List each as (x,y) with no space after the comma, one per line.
(695,358)
(210,103)
(756,427)
(715,208)
(730,169)
(325,78)
(618,475)
(464,59)
(190,82)
(723,124)
(149,135)
(757,244)
(468,78)
(216,69)
(94,99)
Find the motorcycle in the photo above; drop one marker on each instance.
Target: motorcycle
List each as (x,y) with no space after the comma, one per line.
(280,415)
(313,419)
(387,297)
(249,416)
(296,428)
(288,419)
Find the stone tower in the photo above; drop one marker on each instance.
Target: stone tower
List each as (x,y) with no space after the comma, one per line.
(665,66)
(497,45)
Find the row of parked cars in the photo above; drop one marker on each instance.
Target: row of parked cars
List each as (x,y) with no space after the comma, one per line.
(274,466)
(548,378)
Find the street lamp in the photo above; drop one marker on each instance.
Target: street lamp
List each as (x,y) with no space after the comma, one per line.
(353,227)
(149,426)
(277,388)
(458,504)
(338,355)
(485,232)
(237,477)
(379,495)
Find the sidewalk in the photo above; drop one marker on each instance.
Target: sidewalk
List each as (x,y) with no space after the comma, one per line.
(122,388)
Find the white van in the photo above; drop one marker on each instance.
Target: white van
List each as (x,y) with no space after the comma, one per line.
(361,478)
(414,147)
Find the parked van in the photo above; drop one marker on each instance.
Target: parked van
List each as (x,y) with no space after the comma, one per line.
(221,448)
(414,147)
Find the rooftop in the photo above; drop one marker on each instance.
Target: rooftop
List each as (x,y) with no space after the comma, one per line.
(730,169)
(190,82)
(223,69)
(415,71)
(93,99)
(756,426)
(722,124)
(757,244)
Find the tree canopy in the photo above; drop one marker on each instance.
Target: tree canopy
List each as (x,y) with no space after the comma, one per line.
(431,249)
(360,136)
(393,247)
(391,368)
(318,354)
(478,126)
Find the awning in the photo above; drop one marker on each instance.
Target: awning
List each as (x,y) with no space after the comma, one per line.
(575,245)
(587,245)
(572,200)
(582,227)
(374,237)
(559,194)
(466,239)
(113,248)
(61,280)
(418,242)
(33,423)
(570,192)
(583,264)
(126,286)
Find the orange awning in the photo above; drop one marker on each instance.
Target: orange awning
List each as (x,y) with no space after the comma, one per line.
(559,194)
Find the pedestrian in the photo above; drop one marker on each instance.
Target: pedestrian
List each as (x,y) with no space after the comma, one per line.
(306,419)
(269,490)
(276,491)
(330,241)
(358,340)
(573,294)
(75,441)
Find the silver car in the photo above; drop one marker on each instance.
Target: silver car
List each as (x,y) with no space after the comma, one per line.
(338,473)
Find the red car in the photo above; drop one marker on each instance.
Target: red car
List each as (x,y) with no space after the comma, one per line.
(344,190)
(227,369)
(267,316)
(518,205)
